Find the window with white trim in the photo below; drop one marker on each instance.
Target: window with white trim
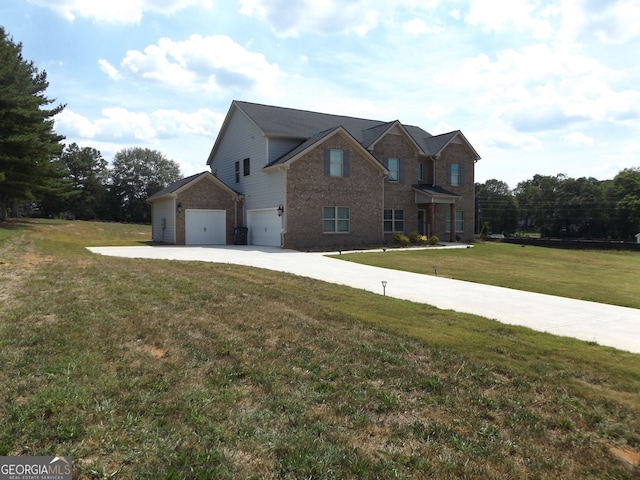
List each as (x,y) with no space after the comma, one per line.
(420,172)
(459,221)
(335,219)
(393,221)
(237,170)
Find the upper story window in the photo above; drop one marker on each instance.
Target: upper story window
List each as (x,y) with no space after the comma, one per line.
(237,170)
(455,174)
(393,164)
(420,171)
(246,167)
(396,169)
(336,162)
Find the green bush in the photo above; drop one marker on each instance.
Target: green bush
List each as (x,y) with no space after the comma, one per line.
(434,240)
(401,238)
(415,237)
(484,232)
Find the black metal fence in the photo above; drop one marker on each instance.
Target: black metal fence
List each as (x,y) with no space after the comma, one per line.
(574,243)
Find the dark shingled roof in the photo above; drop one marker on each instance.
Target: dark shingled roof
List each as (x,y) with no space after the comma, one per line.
(306,126)
(435,191)
(175,186)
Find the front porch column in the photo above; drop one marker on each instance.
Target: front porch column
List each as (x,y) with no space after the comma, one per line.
(432,219)
(452,226)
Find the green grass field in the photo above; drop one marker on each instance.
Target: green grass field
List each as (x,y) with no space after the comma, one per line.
(160,369)
(598,276)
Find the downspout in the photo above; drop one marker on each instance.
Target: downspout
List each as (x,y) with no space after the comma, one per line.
(283,226)
(382,229)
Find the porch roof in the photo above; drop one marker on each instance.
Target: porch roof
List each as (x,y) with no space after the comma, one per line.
(434,194)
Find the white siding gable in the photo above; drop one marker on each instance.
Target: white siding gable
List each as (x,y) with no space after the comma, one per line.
(279,146)
(243,139)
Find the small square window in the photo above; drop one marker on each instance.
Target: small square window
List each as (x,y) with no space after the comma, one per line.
(393,221)
(335,219)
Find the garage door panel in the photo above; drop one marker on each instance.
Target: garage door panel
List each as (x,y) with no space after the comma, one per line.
(265,227)
(205,227)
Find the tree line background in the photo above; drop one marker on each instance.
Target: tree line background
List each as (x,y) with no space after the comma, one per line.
(561,206)
(40,176)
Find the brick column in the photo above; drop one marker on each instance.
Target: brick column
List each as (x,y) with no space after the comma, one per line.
(432,219)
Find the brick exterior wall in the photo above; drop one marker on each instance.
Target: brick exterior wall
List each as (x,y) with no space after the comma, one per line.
(399,195)
(367,194)
(457,153)
(205,194)
(309,190)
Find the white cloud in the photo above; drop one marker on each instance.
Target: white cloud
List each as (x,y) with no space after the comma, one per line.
(69,122)
(508,141)
(122,11)
(612,22)
(122,125)
(417,26)
(111,71)
(540,88)
(288,19)
(578,139)
(212,63)
(499,16)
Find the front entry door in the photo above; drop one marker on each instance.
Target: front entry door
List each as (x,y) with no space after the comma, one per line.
(422,222)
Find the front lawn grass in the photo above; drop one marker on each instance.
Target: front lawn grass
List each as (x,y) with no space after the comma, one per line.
(599,276)
(161,369)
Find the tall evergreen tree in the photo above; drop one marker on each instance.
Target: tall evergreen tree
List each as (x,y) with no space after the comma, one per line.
(90,176)
(28,142)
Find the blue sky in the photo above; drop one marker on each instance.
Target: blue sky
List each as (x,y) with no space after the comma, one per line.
(538,87)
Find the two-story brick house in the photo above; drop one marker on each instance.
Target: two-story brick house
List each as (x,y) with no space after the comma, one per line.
(308,180)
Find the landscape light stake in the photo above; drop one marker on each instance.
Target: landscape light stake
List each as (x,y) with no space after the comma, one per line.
(384,288)
(435,270)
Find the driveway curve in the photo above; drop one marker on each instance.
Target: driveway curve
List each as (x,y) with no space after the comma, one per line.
(608,325)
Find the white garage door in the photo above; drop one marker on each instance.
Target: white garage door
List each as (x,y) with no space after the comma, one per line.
(205,227)
(265,227)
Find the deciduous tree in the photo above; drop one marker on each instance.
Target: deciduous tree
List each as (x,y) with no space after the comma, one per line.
(138,173)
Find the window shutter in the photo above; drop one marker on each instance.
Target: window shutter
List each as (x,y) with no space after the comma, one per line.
(462,175)
(448,174)
(401,172)
(346,163)
(327,162)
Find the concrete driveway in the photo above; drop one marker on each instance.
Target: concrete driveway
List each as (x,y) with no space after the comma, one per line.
(609,325)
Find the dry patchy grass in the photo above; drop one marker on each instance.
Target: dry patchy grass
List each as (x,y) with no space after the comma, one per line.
(152,369)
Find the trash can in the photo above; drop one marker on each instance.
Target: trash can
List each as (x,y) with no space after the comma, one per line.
(240,235)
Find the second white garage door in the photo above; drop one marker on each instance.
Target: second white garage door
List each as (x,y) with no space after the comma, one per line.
(265,227)
(205,227)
